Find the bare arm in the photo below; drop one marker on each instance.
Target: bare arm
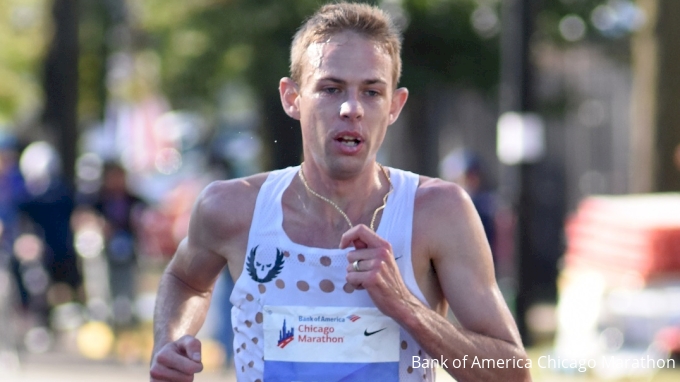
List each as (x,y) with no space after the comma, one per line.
(180,311)
(449,234)
(182,302)
(186,285)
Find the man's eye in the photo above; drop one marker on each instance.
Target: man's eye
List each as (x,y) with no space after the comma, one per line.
(331,90)
(372,93)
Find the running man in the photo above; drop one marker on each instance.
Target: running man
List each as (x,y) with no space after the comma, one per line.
(345,268)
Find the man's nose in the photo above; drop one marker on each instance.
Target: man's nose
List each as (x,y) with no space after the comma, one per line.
(352,108)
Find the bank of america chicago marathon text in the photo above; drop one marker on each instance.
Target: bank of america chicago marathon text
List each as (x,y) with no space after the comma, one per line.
(323,334)
(319,334)
(545,362)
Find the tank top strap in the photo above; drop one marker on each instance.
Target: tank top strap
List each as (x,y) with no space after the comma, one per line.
(397,221)
(268,214)
(397,224)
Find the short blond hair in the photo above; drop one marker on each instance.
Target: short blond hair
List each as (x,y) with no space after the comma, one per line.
(331,19)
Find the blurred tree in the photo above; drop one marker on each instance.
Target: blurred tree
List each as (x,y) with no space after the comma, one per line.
(655,138)
(95,23)
(205,44)
(61,83)
(23,38)
(442,48)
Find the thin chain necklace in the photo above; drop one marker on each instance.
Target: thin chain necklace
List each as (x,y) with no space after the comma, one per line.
(301,174)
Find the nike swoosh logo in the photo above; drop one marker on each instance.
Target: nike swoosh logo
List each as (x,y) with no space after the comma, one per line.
(367,333)
(397,258)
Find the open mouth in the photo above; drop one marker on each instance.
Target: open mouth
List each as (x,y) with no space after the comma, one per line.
(348,140)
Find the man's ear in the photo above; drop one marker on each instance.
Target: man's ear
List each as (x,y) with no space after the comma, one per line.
(398,100)
(289,92)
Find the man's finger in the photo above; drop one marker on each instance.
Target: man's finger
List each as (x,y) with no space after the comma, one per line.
(364,265)
(164,373)
(355,279)
(171,364)
(361,237)
(183,364)
(358,244)
(191,347)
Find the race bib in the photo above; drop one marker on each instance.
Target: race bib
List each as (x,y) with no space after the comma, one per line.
(328,344)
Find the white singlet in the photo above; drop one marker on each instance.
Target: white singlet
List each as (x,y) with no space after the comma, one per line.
(296,319)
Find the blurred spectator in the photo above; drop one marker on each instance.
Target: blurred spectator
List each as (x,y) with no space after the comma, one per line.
(49,204)
(121,211)
(167,223)
(12,191)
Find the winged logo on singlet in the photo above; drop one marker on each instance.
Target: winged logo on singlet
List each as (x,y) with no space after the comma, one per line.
(256,268)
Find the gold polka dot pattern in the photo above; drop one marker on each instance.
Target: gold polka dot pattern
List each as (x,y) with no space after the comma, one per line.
(303,286)
(348,288)
(326,286)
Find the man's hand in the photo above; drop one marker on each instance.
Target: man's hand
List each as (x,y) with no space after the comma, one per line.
(377,271)
(177,361)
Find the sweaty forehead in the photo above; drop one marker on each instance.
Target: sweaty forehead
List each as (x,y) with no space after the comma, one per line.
(346,50)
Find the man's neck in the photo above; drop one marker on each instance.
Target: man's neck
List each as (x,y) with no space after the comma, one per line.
(354,196)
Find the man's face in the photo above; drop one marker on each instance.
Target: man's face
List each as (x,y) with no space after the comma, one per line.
(346,100)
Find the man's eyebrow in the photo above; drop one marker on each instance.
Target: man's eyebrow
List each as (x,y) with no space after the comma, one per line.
(375,81)
(332,79)
(371,81)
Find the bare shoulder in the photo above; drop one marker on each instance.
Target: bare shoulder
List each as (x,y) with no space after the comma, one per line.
(222,215)
(227,206)
(218,229)
(444,214)
(435,194)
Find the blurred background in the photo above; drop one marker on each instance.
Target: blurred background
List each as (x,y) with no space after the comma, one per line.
(560,118)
